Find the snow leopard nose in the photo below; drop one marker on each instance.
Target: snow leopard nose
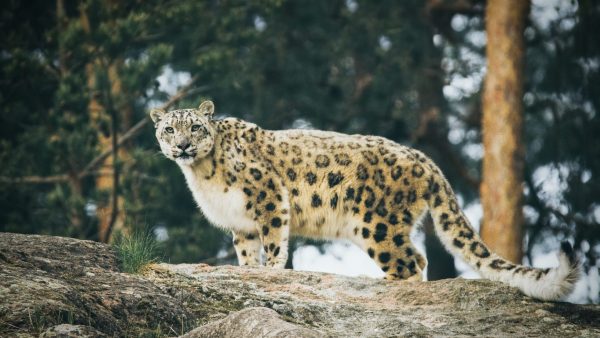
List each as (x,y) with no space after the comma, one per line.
(183,145)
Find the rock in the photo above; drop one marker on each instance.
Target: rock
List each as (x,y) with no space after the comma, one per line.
(44,281)
(71,331)
(252,322)
(48,281)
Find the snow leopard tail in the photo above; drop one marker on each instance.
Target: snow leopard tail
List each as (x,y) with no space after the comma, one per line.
(457,235)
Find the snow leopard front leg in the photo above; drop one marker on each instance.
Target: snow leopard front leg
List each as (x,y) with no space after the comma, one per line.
(273,222)
(272,219)
(247,248)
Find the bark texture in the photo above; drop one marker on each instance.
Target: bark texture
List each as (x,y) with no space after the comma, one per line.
(502,177)
(63,287)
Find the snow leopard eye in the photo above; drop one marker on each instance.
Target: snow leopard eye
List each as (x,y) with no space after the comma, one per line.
(195,127)
(169,130)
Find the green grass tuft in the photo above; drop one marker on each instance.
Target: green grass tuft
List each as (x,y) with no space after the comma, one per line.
(136,250)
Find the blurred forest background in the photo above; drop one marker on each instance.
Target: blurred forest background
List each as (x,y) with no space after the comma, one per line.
(78,156)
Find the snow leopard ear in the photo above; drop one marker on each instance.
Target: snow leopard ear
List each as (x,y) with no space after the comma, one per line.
(207,108)
(157,115)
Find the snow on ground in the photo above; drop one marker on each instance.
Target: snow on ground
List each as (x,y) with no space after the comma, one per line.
(340,257)
(345,258)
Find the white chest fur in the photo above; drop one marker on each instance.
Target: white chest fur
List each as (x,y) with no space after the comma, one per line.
(223,209)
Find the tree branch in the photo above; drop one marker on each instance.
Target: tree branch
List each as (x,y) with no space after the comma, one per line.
(466,7)
(34,179)
(90,168)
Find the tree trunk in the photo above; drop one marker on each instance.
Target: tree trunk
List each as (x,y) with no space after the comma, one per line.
(427,133)
(440,264)
(502,174)
(110,211)
(74,181)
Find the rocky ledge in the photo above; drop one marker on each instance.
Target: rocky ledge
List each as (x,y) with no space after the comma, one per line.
(63,287)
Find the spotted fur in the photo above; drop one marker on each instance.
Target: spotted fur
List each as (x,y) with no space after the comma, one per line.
(265,185)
